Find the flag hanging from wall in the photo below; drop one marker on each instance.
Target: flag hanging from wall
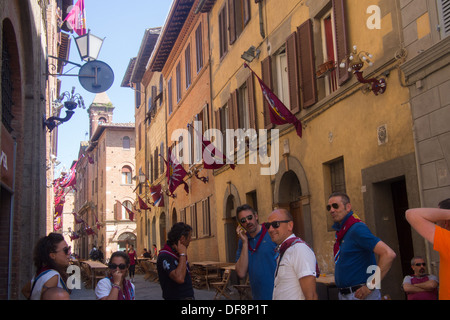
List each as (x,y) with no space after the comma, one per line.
(279,114)
(157,195)
(142,204)
(130,212)
(175,173)
(77,18)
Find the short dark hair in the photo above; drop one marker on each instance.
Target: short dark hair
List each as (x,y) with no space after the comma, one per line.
(243,208)
(121,254)
(444,204)
(178,230)
(344,197)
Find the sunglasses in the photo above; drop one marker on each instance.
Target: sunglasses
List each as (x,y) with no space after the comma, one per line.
(66,250)
(245,219)
(274,224)
(334,205)
(420,264)
(121,266)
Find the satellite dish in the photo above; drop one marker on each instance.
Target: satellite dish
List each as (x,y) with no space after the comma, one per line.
(96,76)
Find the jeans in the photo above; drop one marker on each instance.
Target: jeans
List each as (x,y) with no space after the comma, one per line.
(375,295)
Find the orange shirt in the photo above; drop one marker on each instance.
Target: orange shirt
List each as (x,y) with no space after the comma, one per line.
(442,245)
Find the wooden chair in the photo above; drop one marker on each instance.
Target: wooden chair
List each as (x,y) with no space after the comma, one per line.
(221,286)
(244,290)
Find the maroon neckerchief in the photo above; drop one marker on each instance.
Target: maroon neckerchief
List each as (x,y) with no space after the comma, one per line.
(287,244)
(264,231)
(340,233)
(168,249)
(126,294)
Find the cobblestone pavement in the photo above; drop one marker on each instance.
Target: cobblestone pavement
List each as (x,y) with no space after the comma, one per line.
(147,290)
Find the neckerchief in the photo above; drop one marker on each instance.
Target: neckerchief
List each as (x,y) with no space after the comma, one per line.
(263,233)
(286,245)
(341,230)
(168,249)
(127,293)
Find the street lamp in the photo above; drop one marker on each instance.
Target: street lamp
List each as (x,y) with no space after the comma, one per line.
(88,46)
(74,100)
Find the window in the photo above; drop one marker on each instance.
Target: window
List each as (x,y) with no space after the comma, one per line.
(101,121)
(329,51)
(178,72)
(223,40)
(137,95)
(282,79)
(337,175)
(239,16)
(126,175)
(206,217)
(199,47)
(139,136)
(126,143)
(161,160)
(169,96)
(193,216)
(187,58)
(155,164)
(129,206)
(444,17)
(161,85)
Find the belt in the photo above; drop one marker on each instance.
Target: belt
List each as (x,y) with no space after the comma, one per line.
(349,290)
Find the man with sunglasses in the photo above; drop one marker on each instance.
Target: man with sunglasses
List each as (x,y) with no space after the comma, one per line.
(256,253)
(354,253)
(295,275)
(433,225)
(420,285)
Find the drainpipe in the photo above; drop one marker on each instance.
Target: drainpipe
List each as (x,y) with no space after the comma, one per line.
(11,223)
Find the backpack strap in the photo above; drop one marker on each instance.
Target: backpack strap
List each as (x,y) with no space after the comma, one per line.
(36,279)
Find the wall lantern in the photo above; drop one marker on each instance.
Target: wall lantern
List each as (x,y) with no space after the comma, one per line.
(88,46)
(250,54)
(356,62)
(73,101)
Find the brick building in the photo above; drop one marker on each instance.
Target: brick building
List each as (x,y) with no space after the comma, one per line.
(30,30)
(105,182)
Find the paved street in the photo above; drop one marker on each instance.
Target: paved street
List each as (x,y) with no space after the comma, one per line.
(146,290)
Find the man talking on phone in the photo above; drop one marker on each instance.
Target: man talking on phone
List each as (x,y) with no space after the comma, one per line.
(256,253)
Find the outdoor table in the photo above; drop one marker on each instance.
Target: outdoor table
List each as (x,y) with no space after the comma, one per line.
(97,270)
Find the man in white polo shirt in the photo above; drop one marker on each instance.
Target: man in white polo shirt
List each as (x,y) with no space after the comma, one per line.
(295,276)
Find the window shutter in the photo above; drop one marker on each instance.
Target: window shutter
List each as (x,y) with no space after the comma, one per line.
(308,83)
(251,102)
(118,211)
(444,14)
(217,115)
(341,39)
(235,111)
(247,13)
(266,67)
(231,21)
(292,65)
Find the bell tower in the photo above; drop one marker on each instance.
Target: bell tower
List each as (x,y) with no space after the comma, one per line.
(100,111)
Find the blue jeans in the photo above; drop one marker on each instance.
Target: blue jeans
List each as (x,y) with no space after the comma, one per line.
(375,295)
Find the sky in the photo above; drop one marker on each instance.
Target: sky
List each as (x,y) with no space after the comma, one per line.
(122,24)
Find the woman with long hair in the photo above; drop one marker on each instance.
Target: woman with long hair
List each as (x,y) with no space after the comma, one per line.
(51,259)
(115,286)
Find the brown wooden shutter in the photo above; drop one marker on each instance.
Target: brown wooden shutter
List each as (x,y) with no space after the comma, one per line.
(251,102)
(266,67)
(341,39)
(233,115)
(231,21)
(292,66)
(247,13)
(217,116)
(118,211)
(308,83)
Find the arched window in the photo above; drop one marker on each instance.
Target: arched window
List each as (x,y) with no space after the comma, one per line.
(126,143)
(126,175)
(102,120)
(129,205)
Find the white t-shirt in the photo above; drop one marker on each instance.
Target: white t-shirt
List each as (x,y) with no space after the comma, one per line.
(298,261)
(42,279)
(103,288)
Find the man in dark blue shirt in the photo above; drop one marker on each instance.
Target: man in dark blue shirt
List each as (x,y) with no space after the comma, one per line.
(256,253)
(354,253)
(173,268)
